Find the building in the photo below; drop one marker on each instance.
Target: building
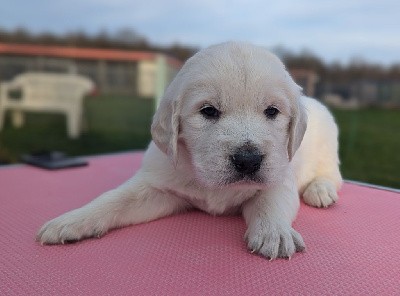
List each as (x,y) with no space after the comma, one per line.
(362,93)
(140,73)
(307,79)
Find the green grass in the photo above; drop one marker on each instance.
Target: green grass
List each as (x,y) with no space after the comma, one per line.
(370,145)
(369,139)
(112,124)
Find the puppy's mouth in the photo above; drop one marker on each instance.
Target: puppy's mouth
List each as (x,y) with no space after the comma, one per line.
(246,180)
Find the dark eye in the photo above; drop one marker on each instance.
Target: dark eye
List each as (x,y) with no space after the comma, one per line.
(271,112)
(210,112)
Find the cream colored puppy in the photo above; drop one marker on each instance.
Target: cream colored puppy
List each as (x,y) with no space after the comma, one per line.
(225,138)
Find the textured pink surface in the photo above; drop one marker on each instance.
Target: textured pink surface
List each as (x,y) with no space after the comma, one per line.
(352,248)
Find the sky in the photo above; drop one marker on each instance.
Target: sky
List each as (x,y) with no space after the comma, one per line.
(336,31)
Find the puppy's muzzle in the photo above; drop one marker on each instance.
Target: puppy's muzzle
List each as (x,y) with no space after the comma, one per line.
(247,160)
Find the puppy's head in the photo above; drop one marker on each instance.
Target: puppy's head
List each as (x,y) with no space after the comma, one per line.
(236,111)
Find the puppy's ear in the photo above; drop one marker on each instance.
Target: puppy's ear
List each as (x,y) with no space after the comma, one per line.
(165,126)
(297,125)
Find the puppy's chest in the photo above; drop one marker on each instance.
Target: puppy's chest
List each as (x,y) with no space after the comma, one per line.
(216,202)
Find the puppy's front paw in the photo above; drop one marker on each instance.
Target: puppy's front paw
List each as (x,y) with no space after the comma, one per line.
(320,193)
(71,226)
(274,240)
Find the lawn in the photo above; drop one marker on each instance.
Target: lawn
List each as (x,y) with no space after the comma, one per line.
(370,145)
(112,124)
(369,139)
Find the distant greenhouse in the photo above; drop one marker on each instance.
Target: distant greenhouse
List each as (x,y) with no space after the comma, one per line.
(139,73)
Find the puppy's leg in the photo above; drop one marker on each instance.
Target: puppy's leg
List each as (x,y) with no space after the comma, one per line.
(131,203)
(269,216)
(322,190)
(324,178)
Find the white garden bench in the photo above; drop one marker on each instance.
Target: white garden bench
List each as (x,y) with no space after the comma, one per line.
(45,92)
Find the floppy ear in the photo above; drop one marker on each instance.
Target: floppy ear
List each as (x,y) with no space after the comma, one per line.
(297,127)
(165,126)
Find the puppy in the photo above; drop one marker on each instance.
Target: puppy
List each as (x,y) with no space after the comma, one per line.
(232,134)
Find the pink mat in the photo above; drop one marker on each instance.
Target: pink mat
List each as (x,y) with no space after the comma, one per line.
(352,248)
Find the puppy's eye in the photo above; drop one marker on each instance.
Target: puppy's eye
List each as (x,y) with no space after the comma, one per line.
(210,112)
(271,112)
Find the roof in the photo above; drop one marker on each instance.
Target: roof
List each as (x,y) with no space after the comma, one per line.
(83,53)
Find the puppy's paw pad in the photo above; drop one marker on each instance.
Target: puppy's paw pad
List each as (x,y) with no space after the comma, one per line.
(274,241)
(320,193)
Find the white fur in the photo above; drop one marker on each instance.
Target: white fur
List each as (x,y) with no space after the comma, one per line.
(188,165)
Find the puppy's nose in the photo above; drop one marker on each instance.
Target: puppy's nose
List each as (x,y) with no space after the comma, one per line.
(247,161)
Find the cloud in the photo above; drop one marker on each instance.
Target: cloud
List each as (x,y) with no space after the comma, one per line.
(336,30)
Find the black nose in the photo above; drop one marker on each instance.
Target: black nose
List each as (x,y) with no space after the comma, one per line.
(247,161)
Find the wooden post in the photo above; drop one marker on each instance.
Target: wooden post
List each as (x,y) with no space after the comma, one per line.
(161,79)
